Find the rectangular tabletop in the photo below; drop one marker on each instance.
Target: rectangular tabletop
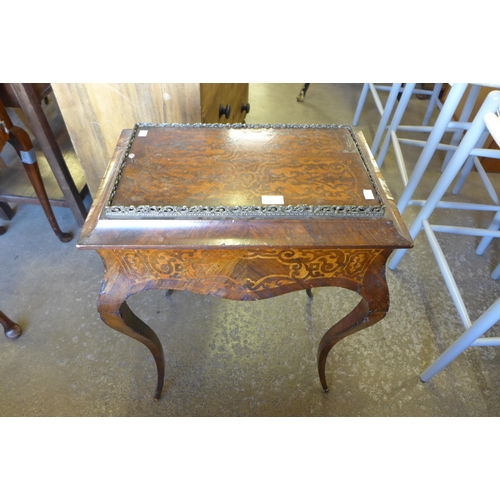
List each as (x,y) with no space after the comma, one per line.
(279,185)
(243,172)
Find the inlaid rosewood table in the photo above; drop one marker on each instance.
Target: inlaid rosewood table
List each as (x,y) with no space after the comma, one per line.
(242,212)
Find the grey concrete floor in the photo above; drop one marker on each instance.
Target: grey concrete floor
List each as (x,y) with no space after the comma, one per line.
(228,358)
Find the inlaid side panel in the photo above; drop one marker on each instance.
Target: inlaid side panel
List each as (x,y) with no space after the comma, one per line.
(241,274)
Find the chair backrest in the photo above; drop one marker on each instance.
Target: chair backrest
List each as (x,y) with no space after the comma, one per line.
(492,121)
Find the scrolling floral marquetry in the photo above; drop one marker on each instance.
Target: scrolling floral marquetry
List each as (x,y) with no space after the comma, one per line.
(236,268)
(186,207)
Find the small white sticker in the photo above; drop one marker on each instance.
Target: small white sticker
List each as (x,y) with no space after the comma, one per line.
(273,200)
(143,133)
(368,194)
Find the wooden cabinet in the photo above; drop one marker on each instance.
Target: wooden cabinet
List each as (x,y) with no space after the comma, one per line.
(96,113)
(224,102)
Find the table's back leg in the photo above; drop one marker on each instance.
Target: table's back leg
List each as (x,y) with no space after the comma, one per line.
(115,312)
(373,306)
(12,330)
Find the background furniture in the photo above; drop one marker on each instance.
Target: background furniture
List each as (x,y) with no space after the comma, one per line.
(302,94)
(385,111)
(12,330)
(489,164)
(21,142)
(95,114)
(69,190)
(486,119)
(444,123)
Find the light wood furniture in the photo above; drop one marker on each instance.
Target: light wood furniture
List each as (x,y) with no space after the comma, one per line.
(242,213)
(96,113)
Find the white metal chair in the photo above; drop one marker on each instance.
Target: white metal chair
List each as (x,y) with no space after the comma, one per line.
(486,119)
(385,111)
(444,123)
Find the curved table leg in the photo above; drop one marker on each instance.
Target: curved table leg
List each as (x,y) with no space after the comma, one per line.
(115,312)
(12,330)
(373,306)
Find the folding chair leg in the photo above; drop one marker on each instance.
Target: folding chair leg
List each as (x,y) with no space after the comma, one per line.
(476,330)
(361,103)
(396,120)
(486,240)
(444,118)
(432,103)
(389,105)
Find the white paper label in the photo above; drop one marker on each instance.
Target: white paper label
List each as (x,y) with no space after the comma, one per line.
(143,133)
(368,194)
(273,200)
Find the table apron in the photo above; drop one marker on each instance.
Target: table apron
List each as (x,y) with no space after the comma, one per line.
(241,274)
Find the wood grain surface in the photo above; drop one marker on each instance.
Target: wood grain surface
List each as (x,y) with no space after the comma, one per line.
(96,113)
(230,167)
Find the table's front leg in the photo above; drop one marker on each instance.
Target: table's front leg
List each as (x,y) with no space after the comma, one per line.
(115,312)
(373,306)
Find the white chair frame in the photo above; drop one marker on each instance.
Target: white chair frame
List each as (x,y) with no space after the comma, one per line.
(487,119)
(444,123)
(385,111)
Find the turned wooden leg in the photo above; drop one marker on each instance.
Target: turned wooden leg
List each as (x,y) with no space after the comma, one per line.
(12,330)
(36,180)
(115,312)
(21,141)
(373,306)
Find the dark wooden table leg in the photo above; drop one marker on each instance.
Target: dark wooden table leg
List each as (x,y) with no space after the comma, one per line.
(12,330)
(373,306)
(21,141)
(41,129)
(115,312)
(6,212)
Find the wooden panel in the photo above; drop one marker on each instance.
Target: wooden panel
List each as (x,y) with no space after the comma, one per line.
(210,95)
(240,99)
(215,94)
(96,113)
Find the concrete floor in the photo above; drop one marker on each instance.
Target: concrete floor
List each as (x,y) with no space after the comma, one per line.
(228,358)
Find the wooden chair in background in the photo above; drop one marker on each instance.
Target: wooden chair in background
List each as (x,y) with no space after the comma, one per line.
(25,99)
(20,140)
